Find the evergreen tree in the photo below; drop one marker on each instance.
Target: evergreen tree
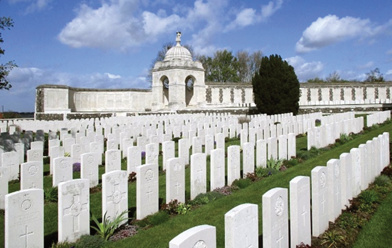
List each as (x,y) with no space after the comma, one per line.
(276,87)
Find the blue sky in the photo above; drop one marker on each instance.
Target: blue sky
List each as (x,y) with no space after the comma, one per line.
(112,43)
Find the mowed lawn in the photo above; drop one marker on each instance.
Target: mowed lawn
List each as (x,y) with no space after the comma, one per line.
(212,213)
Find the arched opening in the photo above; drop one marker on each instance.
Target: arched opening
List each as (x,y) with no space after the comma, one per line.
(165,90)
(189,84)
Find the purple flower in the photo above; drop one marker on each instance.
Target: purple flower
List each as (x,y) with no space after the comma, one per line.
(143,154)
(76,167)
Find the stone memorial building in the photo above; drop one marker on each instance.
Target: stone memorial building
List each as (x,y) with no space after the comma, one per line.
(178,85)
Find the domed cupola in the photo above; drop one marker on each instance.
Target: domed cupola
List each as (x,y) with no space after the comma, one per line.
(178,52)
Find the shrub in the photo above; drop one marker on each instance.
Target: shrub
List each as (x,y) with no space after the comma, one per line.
(368,197)
(106,228)
(382,180)
(265,172)
(51,194)
(387,171)
(242,183)
(205,198)
(274,164)
(333,238)
(88,241)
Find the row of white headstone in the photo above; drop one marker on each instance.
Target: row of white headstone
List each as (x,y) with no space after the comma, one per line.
(377,117)
(73,201)
(332,188)
(326,134)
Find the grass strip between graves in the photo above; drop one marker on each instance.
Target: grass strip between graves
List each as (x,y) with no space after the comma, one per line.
(377,232)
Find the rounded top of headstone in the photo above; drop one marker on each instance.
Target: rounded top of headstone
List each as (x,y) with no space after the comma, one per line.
(178,52)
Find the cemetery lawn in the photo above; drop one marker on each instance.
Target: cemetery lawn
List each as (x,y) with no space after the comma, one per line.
(377,233)
(211,213)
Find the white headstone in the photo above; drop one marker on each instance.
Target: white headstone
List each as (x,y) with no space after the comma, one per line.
(272,144)
(198,174)
(37,145)
(275,218)
(89,168)
(233,164)
(73,210)
(62,170)
(56,151)
(114,194)
(183,150)
(217,168)
(35,155)
(220,141)
(134,158)
(112,160)
(291,146)
(334,189)
(195,237)
(76,152)
(147,191)
(300,211)
(167,152)
(346,174)
(282,140)
(24,218)
(31,175)
(152,153)
(10,160)
(209,144)
(248,159)
(319,200)
(4,174)
(261,153)
(356,168)
(97,148)
(175,180)
(242,226)
(20,149)
(196,145)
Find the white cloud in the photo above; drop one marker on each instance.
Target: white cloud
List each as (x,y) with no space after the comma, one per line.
(332,29)
(388,75)
(33,5)
(244,18)
(155,25)
(270,9)
(121,25)
(249,16)
(368,65)
(305,70)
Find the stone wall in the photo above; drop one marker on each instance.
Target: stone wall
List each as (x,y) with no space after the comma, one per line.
(57,101)
(229,94)
(344,93)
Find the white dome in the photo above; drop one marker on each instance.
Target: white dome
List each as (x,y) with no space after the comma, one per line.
(178,52)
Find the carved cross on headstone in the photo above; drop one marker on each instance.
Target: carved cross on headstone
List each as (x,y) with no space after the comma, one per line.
(117,195)
(25,236)
(304,213)
(74,210)
(280,238)
(177,185)
(149,193)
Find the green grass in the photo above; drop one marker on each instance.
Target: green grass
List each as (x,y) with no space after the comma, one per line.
(376,232)
(212,213)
